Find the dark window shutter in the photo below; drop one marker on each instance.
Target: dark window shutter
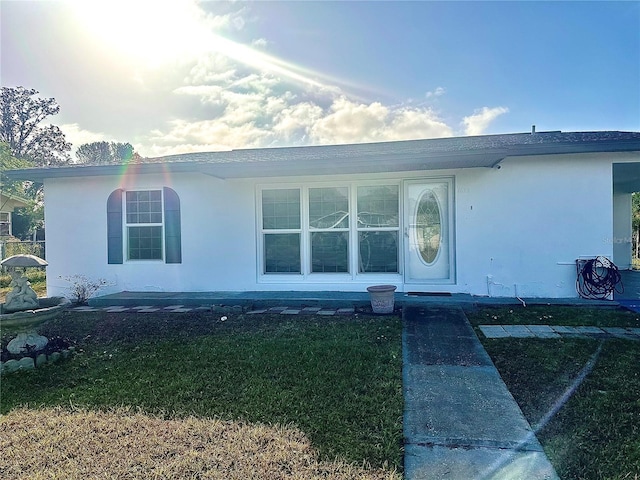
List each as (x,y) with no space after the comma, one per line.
(114,227)
(172,239)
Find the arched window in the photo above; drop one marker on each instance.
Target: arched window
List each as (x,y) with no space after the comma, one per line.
(143,225)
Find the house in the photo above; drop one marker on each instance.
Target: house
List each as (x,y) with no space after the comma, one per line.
(8,203)
(497,215)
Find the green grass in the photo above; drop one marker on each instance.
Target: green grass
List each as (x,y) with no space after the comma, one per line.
(337,379)
(554,315)
(590,429)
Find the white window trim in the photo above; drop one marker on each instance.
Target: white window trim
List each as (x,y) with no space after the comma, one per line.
(126,225)
(306,276)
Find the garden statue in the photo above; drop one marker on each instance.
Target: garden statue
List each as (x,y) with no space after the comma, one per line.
(22,297)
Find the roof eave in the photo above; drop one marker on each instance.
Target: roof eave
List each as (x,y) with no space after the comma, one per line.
(15,198)
(486,158)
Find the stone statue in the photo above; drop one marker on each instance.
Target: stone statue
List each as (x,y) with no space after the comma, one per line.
(22,297)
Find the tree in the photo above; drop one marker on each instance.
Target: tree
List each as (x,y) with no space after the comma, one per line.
(21,114)
(105,153)
(635,218)
(8,162)
(25,220)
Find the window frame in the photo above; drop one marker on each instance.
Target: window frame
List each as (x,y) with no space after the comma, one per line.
(311,230)
(116,241)
(6,222)
(127,226)
(374,229)
(353,231)
(264,232)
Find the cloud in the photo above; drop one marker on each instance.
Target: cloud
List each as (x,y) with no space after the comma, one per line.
(252,119)
(438,92)
(77,136)
(353,122)
(477,123)
(223,95)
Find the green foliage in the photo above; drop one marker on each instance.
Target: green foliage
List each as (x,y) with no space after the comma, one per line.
(25,221)
(35,276)
(339,380)
(9,162)
(21,115)
(104,153)
(27,248)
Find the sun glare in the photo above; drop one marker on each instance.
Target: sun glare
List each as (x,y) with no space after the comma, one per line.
(154,33)
(150,32)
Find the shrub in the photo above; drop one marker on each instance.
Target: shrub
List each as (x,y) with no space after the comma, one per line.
(82,288)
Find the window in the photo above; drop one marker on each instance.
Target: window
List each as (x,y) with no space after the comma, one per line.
(145,224)
(5,223)
(329,229)
(378,227)
(428,227)
(281,227)
(308,230)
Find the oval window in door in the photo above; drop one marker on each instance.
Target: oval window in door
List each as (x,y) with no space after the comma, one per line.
(428,226)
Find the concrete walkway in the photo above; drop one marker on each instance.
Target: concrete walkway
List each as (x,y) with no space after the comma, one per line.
(460,421)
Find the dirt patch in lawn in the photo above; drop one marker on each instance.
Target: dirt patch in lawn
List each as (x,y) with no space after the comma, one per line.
(60,444)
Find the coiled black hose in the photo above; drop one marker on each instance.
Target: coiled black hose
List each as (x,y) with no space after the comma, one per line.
(598,278)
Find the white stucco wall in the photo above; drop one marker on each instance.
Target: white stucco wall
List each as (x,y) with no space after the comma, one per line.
(521,228)
(518,230)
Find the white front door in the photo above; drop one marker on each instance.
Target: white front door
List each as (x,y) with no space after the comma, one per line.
(429,242)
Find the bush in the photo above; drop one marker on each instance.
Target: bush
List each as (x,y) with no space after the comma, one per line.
(82,288)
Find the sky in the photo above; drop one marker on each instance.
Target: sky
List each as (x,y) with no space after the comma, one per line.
(192,76)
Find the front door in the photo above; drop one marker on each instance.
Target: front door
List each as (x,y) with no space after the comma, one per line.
(428,234)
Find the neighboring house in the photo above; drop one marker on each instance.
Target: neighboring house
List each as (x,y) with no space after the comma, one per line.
(8,203)
(498,215)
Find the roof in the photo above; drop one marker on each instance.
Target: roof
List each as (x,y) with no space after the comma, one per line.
(17,201)
(431,154)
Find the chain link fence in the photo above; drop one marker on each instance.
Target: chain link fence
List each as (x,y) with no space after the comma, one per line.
(12,247)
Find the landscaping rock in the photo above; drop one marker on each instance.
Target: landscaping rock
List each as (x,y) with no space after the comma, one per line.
(26,363)
(41,360)
(33,340)
(11,366)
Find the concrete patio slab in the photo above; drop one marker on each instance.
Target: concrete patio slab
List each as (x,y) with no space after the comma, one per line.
(494,331)
(518,331)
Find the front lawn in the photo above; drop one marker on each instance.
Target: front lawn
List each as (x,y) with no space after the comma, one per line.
(581,395)
(335,379)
